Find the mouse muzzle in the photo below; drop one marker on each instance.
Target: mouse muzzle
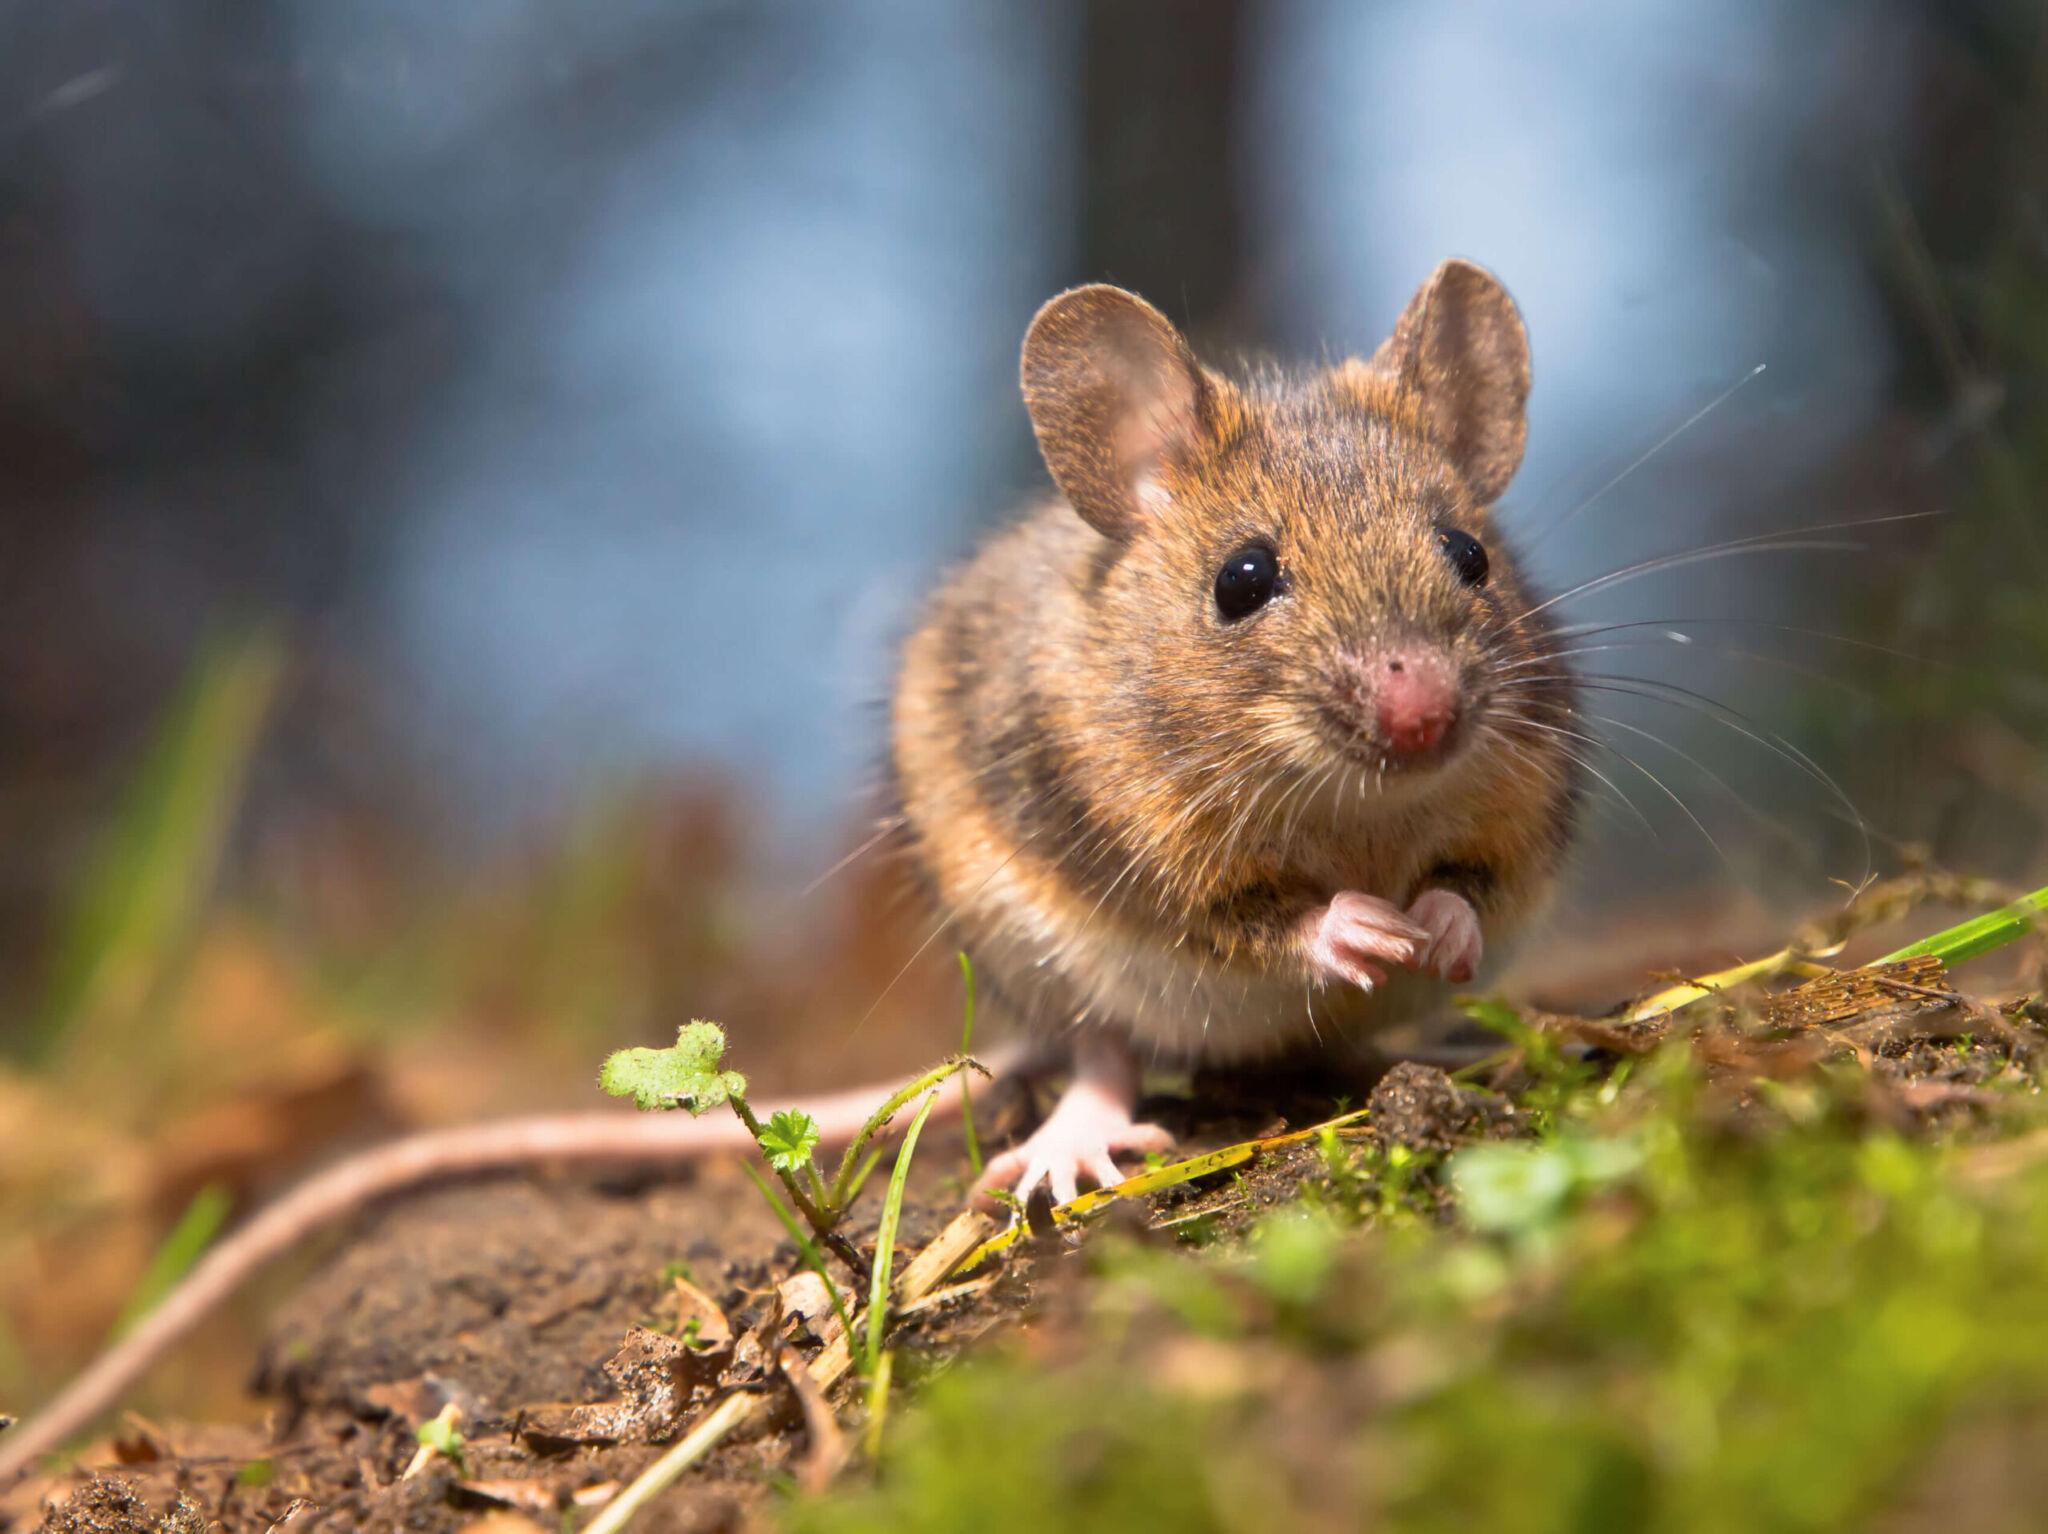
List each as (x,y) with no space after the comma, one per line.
(1401,704)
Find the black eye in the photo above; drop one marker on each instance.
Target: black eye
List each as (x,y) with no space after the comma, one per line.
(1246,582)
(1466,554)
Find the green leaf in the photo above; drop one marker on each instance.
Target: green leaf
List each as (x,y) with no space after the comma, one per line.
(685,1075)
(1297,1250)
(789,1139)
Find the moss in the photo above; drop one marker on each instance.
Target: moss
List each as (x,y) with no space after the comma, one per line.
(1684,1326)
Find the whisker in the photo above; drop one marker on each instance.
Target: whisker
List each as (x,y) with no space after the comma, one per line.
(1577,759)
(1681,642)
(1775,827)
(893,824)
(1586,630)
(1663,787)
(1675,696)
(933,936)
(1789,540)
(1650,452)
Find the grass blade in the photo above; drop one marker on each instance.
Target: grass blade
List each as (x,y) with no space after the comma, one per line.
(885,1234)
(156,867)
(184,1246)
(1686,992)
(1966,940)
(967,1050)
(1980,934)
(878,1403)
(860,1175)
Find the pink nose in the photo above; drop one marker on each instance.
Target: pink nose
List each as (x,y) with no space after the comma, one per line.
(1417,699)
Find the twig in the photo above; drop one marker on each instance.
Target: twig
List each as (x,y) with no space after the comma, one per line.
(1947,998)
(965,1290)
(659,1476)
(930,1267)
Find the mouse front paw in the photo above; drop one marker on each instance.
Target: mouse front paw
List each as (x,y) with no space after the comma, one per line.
(1455,945)
(1362,939)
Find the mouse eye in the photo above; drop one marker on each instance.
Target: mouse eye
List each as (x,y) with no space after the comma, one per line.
(1466,554)
(1247,582)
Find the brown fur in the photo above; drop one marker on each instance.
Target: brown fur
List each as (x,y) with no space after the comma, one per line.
(1124,804)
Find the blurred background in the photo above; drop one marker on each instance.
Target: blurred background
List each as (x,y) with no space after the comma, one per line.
(464,469)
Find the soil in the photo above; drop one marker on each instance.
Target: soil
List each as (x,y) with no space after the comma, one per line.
(508,1297)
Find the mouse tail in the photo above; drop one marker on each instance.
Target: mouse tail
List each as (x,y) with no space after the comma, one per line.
(561,1139)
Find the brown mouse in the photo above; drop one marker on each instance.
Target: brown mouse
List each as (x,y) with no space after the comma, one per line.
(1249,737)
(1213,754)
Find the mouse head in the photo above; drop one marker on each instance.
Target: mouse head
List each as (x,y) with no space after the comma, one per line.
(1299,566)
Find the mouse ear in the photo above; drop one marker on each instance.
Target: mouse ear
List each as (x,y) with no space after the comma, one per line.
(1114,395)
(1460,357)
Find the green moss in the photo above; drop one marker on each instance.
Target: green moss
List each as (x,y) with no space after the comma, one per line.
(1695,1327)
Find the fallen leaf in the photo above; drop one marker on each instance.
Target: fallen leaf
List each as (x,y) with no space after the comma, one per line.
(713,1333)
(654,1373)
(503,1523)
(804,1294)
(529,1495)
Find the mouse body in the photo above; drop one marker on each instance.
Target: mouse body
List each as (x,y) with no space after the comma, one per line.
(1252,736)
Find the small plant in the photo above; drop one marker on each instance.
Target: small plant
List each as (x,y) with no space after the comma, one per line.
(689,1074)
(440,1435)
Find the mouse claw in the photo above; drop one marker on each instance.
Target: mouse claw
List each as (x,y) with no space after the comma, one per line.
(1362,939)
(1455,944)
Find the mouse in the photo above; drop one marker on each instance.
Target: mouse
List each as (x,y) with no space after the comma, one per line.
(1249,735)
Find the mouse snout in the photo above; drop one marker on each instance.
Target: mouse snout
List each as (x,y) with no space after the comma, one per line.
(1418,701)
(1407,696)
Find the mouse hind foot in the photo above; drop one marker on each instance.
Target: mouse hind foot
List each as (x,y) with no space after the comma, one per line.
(1094,1123)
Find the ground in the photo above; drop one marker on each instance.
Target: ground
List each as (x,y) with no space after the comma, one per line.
(1757,1271)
